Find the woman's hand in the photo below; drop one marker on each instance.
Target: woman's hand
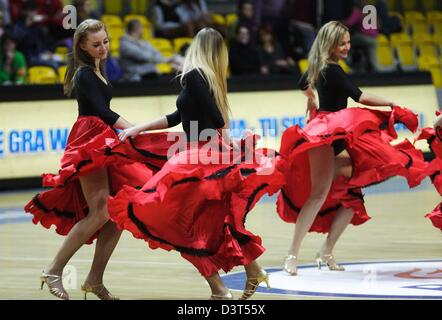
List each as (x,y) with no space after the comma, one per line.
(128,133)
(312,104)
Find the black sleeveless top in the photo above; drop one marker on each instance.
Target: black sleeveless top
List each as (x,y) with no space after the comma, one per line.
(93,96)
(196,103)
(334,87)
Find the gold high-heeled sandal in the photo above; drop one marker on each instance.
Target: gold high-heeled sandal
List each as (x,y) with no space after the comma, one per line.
(59,292)
(329,261)
(99,290)
(290,265)
(227,296)
(254,283)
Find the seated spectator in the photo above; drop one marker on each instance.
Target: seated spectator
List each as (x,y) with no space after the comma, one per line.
(138,58)
(5,17)
(49,15)
(243,56)
(388,24)
(194,12)
(363,41)
(113,69)
(302,29)
(271,54)
(31,37)
(2,25)
(167,22)
(12,62)
(246,14)
(84,10)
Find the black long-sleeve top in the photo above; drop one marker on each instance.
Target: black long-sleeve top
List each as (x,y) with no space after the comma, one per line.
(334,87)
(196,103)
(94,96)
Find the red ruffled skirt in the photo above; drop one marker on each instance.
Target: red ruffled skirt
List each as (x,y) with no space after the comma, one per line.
(92,145)
(367,135)
(434,170)
(199,209)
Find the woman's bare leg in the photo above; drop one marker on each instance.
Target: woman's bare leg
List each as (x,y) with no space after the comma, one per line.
(322,167)
(96,191)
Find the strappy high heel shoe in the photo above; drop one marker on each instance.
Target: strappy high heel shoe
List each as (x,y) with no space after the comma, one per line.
(227,296)
(99,290)
(51,280)
(290,265)
(254,284)
(329,261)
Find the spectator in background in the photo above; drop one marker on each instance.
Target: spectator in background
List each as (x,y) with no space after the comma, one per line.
(12,62)
(2,26)
(138,58)
(84,10)
(167,22)
(113,69)
(31,37)
(364,56)
(271,54)
(271,13)
(194,12)
(336,10)
(4,14)
(246,14)
(302,26)
(243,55)
(387,24)
(50,16)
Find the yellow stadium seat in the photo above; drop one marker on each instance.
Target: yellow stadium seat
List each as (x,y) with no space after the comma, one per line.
(42,75)
(416,22)
(164,68)
(147,26)
(62,73)
(425,63)
(413,15)
(344,66)
(113,6)
(408,5)
(429,4)
(115,33)
(437,40)
(178,43)
(163,45)
(403,45)
(218,19)
(61,52)
(437,26)
(384,53)
(139,6)
(231,19)
(433,15)
(112,21)
(436,75)
(303,65)
(392,5)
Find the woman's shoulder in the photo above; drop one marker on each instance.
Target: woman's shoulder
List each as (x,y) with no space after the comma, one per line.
(84,73)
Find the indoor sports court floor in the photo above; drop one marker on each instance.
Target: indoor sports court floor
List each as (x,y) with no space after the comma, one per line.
(398,232)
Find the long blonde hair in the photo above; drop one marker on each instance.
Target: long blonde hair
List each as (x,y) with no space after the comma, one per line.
(81,58)
(208,54)
(328,38)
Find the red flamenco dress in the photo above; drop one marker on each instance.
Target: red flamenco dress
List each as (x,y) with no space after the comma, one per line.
(199,209)
(63,205)
(434,138)
(367,134)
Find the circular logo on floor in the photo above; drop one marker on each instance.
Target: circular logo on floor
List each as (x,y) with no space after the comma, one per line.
(417,279)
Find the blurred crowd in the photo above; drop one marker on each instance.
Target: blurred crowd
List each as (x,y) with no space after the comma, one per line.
(266,36)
